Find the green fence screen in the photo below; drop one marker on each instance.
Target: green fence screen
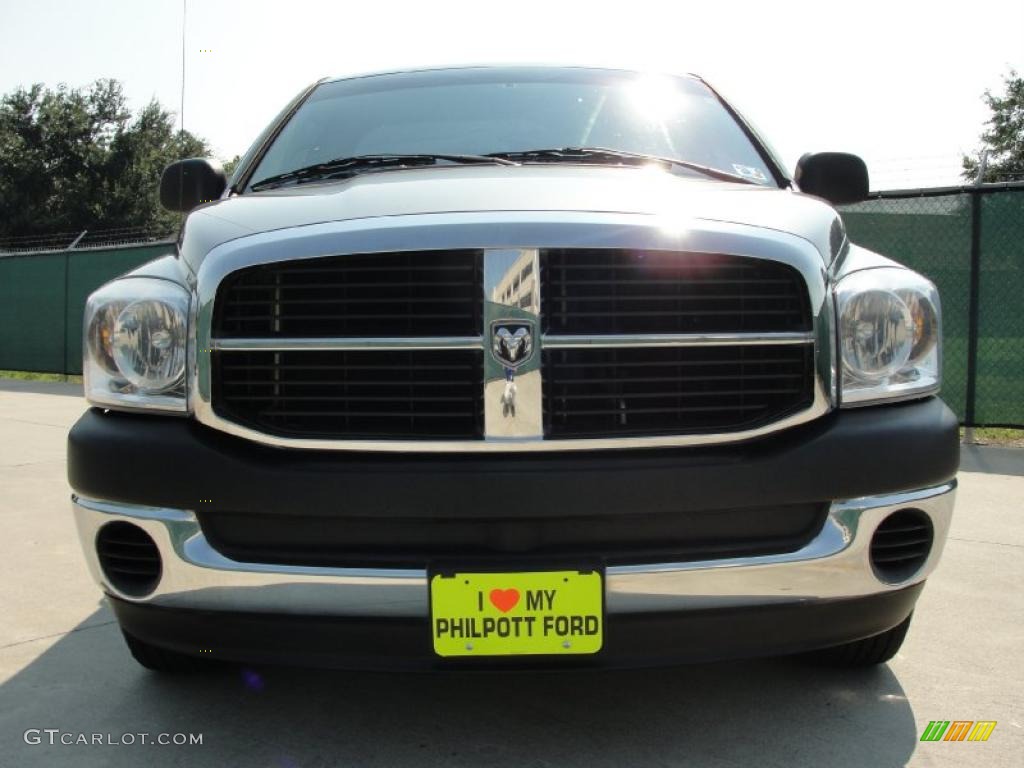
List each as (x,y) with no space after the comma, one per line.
(970,242)
(42,298)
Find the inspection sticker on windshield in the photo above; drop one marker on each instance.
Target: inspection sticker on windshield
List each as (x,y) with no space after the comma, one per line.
(749,172)
(521,613)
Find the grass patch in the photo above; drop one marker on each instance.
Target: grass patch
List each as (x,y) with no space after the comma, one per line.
(33,376)
(1013,438)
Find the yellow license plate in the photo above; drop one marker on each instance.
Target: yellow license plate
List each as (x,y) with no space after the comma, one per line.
(510,614)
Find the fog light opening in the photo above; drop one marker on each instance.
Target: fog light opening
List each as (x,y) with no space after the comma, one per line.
(901,545)
(129,558)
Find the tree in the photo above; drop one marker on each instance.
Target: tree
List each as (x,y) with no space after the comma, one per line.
(136,159)
(74,159)
(1004,138)
(230,165)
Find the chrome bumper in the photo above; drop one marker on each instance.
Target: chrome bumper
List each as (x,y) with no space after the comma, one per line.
(833,565)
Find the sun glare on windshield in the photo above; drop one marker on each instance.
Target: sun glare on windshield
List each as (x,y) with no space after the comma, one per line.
(655,98)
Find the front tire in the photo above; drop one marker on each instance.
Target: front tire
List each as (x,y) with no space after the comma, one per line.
(867,652)
(163,661)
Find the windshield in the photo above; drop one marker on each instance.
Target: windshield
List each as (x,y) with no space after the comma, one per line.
(488,110)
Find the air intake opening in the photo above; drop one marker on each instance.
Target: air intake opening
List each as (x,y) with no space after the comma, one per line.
(129,558)
(901,544)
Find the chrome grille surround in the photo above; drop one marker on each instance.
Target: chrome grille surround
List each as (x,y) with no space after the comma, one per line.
(514,234)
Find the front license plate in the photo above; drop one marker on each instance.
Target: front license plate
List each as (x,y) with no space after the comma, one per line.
(512,614)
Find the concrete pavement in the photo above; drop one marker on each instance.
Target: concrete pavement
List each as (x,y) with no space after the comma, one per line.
(63,666)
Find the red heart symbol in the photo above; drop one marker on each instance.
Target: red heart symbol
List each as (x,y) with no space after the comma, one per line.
(504,599)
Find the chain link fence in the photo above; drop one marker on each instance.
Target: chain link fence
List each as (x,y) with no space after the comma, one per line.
(66,241)
(970,242)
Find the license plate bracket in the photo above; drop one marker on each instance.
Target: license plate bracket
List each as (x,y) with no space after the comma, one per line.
(475,613)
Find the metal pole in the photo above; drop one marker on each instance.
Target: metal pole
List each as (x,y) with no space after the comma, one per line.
(979,178)
(77,239)
(184,17)
(67,309)
(64,344)
(973,300)
(181,134)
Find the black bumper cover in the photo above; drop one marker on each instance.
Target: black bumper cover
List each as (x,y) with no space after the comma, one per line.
(172,462)
(160,461)
(633,640)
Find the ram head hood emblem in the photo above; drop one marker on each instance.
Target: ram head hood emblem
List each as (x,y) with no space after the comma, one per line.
(511,342)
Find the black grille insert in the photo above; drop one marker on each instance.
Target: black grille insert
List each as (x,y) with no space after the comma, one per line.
(412,293)
(901,545)
(620,291)
(673,390)
(414,394)
(394,540)
(129,558)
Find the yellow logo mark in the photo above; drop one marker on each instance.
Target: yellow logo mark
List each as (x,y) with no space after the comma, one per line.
(958,730)
(982,730)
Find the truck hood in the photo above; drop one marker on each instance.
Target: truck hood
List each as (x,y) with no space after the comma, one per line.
(549,188)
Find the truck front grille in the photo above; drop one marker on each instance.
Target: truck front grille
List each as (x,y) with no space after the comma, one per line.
(618,291)
(412,293)
(675,390)
(382,395)
(397,346)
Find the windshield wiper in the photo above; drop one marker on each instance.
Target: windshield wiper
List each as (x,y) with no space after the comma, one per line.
(599,154)
(349,166)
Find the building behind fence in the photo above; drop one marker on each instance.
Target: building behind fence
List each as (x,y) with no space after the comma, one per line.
(969,240)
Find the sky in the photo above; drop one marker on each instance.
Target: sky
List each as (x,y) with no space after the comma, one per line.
(897,82)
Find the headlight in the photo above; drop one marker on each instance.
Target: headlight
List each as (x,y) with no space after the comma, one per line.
(889,336)
(136,336)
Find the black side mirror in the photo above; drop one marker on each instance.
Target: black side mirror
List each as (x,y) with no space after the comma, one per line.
(188,183)
(835,176)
